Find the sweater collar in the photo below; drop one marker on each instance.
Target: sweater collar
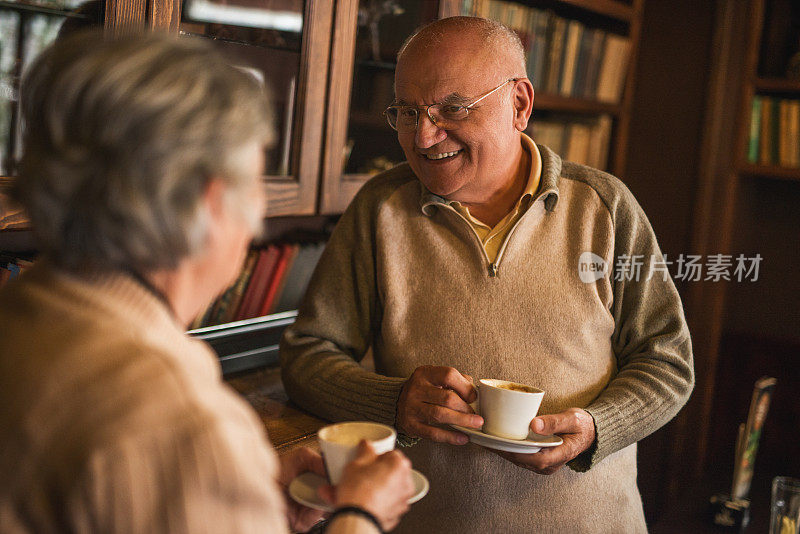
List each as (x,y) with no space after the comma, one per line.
(548,185)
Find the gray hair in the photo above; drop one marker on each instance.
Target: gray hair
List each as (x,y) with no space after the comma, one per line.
(121,137)
(495,36)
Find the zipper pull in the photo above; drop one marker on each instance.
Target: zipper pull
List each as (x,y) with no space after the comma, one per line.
(492,269)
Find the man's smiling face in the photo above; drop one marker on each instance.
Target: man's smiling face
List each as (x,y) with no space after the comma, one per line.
(465,162)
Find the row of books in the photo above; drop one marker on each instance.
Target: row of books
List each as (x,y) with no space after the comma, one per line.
(273,279)
(774,132)
(582,141)
(565,57)
(11,267)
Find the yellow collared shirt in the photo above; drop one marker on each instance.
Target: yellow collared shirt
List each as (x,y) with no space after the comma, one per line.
(493,238)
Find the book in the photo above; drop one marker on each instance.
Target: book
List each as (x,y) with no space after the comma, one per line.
(764,147)
(239,287)
(554,59)
(755,129)
(299,276)
(578,143)
(257,288)
(594,60)
(550,134)
(784,143)
(599,143)
(542,27)
(225,302)
(582,62)
(285,256)
(613,68)
(775,132)
(569,62)
(794,134)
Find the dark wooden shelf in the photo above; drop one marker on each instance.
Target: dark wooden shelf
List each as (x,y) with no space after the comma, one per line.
(776,85)
(770,171)
(609,8)
(550,102)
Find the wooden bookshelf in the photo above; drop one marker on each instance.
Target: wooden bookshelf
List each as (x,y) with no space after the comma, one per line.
(769,171)
(550,102)
(609,8)
(740,207)
(776,85)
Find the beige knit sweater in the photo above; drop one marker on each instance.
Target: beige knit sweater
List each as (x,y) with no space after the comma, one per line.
(113,420)
(405,274)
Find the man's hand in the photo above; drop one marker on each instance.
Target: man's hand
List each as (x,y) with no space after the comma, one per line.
(574,426)
(380,484)
(437,396)
(301,518)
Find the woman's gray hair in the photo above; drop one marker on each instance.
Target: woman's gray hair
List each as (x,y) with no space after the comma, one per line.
(120,139)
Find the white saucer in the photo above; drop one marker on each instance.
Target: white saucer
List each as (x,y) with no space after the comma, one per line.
(534,443)
(303,489)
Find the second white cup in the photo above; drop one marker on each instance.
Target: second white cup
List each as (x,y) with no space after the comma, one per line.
(507,407)
(339,443)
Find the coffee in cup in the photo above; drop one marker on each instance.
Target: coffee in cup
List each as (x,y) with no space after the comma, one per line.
(339,443)
(507,407)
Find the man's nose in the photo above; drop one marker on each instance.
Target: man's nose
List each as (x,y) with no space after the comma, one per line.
(428,133)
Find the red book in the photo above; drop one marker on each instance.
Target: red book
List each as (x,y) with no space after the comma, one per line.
(288,252)
(257,288)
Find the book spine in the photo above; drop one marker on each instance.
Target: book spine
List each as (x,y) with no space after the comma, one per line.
(755,129)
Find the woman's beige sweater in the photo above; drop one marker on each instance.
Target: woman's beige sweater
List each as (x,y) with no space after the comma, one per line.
(113,420)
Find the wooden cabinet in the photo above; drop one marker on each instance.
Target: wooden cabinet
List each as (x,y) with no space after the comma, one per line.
(331,76)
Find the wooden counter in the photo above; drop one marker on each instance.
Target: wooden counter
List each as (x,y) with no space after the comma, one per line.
(287,425)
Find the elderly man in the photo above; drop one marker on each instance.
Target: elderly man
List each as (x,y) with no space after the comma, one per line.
(141,175)
(465,261)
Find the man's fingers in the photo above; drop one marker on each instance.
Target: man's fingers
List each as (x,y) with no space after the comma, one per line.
(445,416)
(448,399)
(567,422)
(437,434)
(450,378)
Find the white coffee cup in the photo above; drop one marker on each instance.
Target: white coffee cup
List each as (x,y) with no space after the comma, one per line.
(507,407)
(339,443)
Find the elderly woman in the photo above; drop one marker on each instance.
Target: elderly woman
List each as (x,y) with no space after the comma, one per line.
(141,178)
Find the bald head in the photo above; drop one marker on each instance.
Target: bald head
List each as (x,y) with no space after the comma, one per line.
(498,45)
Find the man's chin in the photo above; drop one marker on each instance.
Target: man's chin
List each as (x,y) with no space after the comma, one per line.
(440,188)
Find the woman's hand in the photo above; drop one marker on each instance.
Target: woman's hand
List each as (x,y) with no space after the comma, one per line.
(380,485)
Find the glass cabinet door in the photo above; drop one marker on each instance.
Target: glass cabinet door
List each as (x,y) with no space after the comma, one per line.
(359,143)
(285,44)
(26,28)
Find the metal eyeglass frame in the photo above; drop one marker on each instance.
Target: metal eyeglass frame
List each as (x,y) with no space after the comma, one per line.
(429,106)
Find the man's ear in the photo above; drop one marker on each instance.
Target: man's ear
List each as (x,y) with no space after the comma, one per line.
(523,103)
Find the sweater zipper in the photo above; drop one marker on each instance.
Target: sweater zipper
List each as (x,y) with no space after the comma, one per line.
(493,268)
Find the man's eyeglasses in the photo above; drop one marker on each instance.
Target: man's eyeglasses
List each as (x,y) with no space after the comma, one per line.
(446,116)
